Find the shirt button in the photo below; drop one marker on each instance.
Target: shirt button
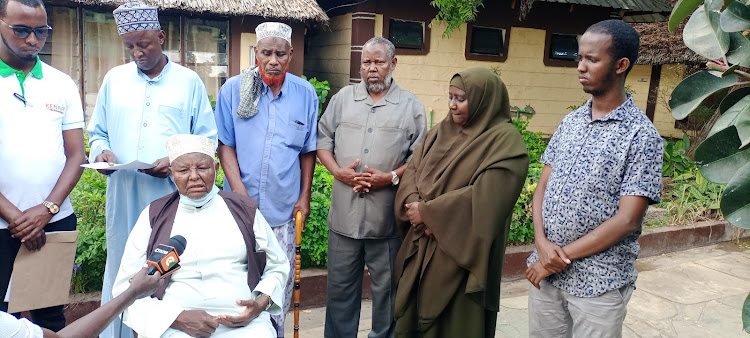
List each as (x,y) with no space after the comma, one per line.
(367,151)
(372,110)
(369,130)
(145,124)
(148,103)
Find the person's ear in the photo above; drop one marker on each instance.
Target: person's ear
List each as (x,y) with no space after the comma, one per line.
(622,65)
(162,36)
(393,62)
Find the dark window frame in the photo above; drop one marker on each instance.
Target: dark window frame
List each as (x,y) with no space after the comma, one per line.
(486,57)
(408,51)
(548,49)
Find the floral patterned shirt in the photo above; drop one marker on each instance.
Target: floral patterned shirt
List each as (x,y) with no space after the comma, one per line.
(593,164)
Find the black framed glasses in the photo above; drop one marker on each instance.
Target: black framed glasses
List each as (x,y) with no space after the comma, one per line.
(24,31)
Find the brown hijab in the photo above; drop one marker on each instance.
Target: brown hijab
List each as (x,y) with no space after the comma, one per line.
(466,180)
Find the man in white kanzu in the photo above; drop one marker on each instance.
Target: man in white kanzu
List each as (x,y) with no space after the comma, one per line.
(140,104)
(233,269)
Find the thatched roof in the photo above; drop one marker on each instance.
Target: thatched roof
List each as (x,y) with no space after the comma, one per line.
(659,46)
(297,10)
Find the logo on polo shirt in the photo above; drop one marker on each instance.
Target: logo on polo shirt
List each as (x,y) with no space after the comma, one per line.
(55,107)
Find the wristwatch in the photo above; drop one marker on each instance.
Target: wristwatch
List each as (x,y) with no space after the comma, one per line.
(394,178)
(52,207)
(270,302)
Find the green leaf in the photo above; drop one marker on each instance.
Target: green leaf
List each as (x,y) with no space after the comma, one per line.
(719,157)
(703,35)
(746,314)
(736,18)
(735,202)
(739,49)
(733,97)
(689,94)
(682,9)
(685,142)
(738,116)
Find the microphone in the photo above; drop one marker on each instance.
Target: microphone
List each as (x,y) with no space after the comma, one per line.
(166,256)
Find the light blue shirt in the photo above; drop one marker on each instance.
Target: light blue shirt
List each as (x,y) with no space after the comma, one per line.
(133,117)
(268,144)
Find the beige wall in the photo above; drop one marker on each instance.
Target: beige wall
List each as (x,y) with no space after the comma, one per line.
(327,57)
(671,75)
(247,42)
(549,90)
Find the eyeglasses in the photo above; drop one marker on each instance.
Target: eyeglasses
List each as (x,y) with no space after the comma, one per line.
(24,31)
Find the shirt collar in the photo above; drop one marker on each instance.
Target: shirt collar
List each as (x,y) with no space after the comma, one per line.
(618,114)
(393,95)
(6,70)
(266,89)
(164,70)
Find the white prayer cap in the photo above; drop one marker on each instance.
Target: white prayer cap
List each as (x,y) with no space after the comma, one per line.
(181,144)
(136,16)
(274,29)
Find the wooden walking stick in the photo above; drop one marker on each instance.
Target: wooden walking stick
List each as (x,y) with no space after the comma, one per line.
(297,267)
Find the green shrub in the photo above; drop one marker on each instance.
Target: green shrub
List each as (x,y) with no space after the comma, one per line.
(675,159)
(522,225)
(692,198)
(315,237)
(533,140)
(88,199)
(321,88)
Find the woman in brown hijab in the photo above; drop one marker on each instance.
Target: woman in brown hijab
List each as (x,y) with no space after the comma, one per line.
(454,208)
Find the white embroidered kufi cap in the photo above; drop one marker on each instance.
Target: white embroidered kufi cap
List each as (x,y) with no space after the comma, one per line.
(136,16)
(181,144)
(274,29)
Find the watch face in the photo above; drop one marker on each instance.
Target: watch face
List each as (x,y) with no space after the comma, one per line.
(53,208)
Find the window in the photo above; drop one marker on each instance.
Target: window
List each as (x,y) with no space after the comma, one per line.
(486,43)
(172,46)
(206,51)
(561,50)
(407,34)
(102,51)
(84,43)
(563,47)
(62,49)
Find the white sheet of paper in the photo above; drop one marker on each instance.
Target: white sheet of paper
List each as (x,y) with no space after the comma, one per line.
(132,165)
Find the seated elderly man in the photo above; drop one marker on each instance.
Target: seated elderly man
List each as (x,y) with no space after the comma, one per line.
(233,269)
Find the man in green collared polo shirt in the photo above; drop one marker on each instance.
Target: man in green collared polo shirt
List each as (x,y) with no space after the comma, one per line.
(41,143)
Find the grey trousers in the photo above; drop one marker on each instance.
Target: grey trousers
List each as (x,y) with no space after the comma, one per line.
(346,260)
(556,313)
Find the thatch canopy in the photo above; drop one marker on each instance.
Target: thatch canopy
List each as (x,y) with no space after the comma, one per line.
(297,10)
(659,46)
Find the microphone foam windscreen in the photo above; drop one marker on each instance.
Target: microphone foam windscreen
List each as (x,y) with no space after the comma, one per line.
(178,243)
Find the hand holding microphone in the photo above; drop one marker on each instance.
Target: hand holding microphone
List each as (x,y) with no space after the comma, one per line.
(166,257)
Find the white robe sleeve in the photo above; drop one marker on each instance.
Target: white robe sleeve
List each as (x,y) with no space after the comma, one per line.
(149,317)
(275,275)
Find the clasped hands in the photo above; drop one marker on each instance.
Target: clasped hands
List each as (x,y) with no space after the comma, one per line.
(371,179)
(28,226)
(552,259)
(160,169)
(198,323)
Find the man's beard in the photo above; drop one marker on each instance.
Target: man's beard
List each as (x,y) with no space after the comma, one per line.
(273,80)
(377,87)
(23,59)
(607,84)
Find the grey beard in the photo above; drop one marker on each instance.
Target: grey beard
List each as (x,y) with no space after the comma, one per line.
(378,87)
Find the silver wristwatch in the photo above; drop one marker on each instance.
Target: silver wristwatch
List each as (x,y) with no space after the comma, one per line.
(394,178)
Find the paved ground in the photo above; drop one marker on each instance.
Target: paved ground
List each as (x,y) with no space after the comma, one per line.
(693,293)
